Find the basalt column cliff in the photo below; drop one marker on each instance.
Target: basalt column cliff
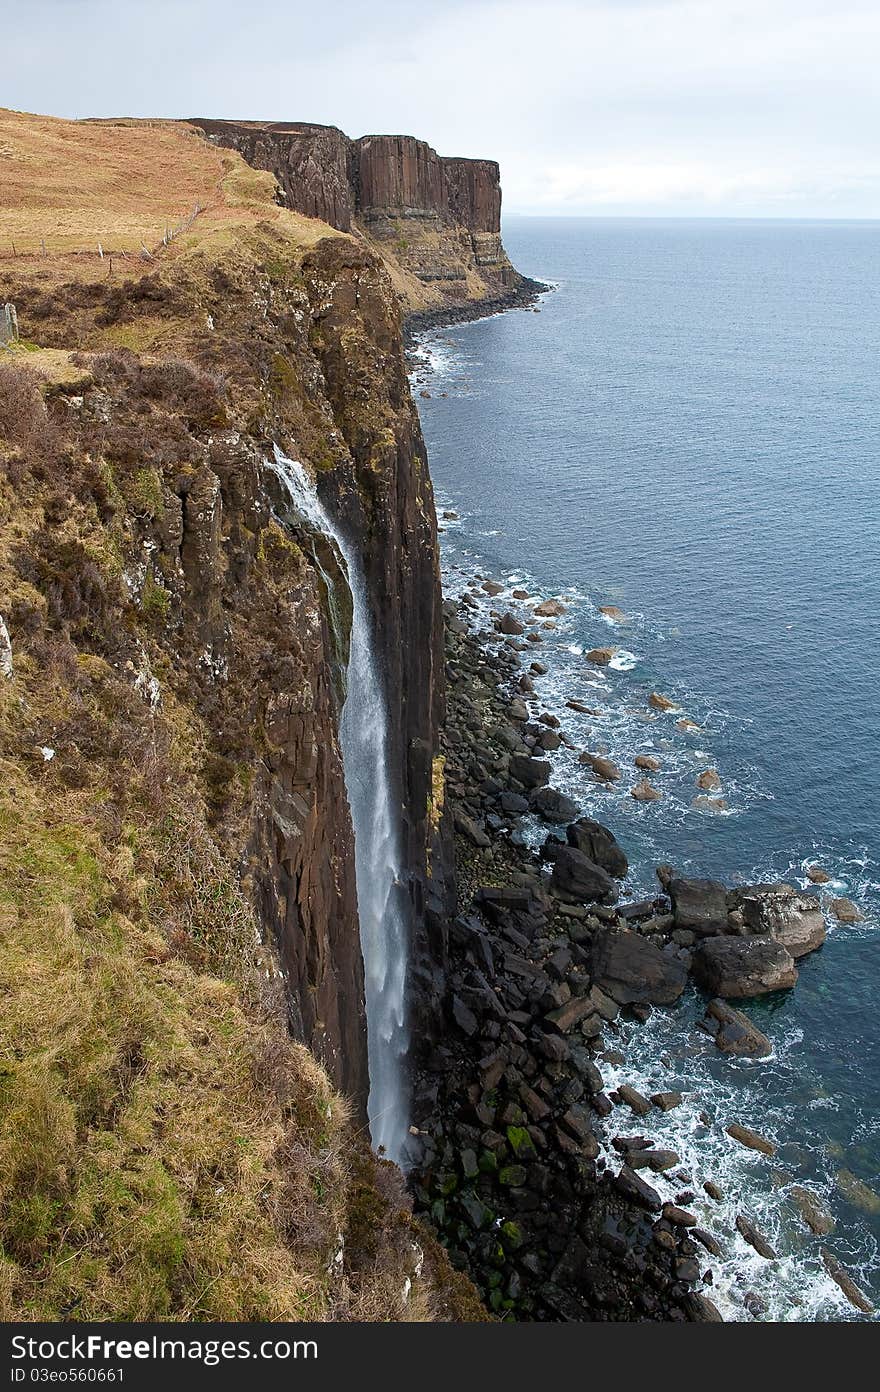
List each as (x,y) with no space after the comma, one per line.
(435,221)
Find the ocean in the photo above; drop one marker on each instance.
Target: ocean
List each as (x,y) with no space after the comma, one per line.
(689,430)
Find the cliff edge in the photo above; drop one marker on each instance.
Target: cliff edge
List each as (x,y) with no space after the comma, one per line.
(435,221)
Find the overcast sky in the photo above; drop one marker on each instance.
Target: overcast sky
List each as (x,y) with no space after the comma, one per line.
(710,107)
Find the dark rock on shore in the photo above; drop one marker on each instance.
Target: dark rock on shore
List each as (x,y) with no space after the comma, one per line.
(576,877)
(734,1032)
(736,967)
(599,845)
(508,1104)
(631,969)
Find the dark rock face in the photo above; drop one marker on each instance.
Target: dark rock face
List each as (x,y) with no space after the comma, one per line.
(632,970)
(579,878)
(599,845)
(397,188)
(733,967)
(699,905)
(734,1032)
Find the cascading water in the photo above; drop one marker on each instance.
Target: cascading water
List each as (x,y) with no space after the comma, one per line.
(381,893)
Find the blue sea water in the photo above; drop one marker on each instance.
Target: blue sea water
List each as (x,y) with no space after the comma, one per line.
(690,430)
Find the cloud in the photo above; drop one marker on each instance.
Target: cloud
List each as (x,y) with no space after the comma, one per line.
(652,105)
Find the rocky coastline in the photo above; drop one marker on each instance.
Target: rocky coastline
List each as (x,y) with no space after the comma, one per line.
(525,295)
(535,1177)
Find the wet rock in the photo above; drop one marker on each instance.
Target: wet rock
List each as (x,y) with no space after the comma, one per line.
(710,804)
(578,877)
(603,768)
(845,911)
(709,780)
(599,845)
(679,1217)
(648,762)
(518,709)
(657,701)
(552,806)
(549,609)
(842,1278)
(612,612)
(735,967)
(630,968)
(816,1217)
(857,1192)
(713,1191)
(511,625)
(754,1238)
(492,587)
(816,875)
(704,1309)
(706,1240)
(698,905)
(633,1099)
(632,1187)
(751,1139)
(658,1160)
(531,773)
(645,792)
(794,919)
(581,708)
(666,1101)
(600,656)
(733,1032)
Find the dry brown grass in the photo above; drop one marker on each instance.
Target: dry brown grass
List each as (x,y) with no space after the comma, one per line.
(73,184)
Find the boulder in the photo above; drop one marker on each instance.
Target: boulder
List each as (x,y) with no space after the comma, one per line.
(750,1139)
(632,1187)
(796,920)
(709,781)
(845,911)
(492,587)
(736,967)
(599,845)
(508,624)
(549,608)
(754,1238)
(645,792)
(816,1217)
(577,877)
(662,703)
(532,773)
(633,1099)
(552,806)
(666,1101)
(632,970)
(816,875)
(842,1278)
(470,830)
(600,656)
(603,768)
(698,905)
(734,1032)
(612,612)
(647,761)
(710,804)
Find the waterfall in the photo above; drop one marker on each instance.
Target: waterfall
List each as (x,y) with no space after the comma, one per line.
(383,906)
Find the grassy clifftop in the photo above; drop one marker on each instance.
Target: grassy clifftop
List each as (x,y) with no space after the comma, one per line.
(166,1150)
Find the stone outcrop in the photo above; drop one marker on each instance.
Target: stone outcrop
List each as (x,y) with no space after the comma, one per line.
(436,219)
(733,967)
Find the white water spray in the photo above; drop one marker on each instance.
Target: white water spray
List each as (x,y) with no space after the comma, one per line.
(381,893)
